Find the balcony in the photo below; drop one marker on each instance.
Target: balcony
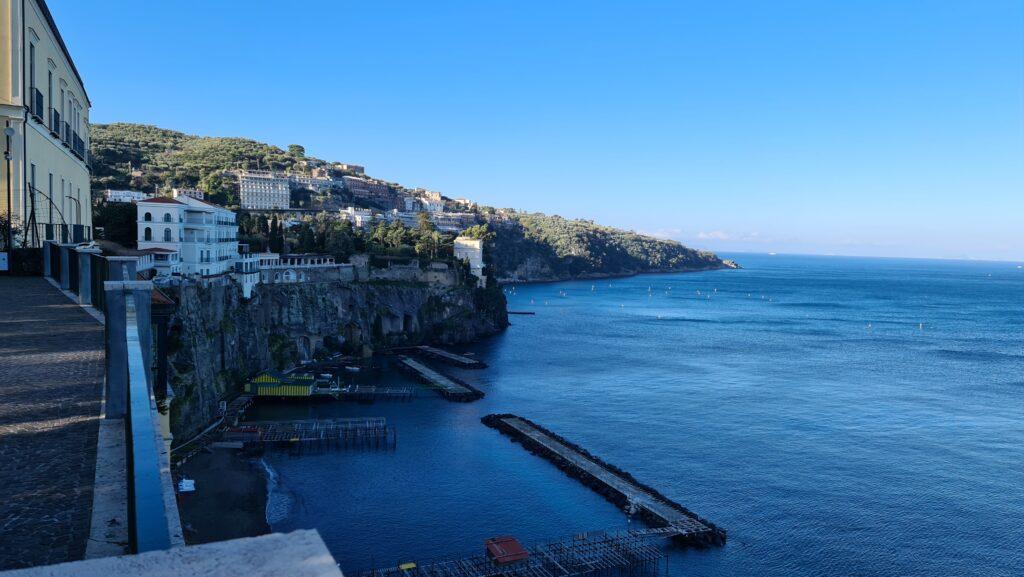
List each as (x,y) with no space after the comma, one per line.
(55,125)
(66,135)
(77,146)
(35,105)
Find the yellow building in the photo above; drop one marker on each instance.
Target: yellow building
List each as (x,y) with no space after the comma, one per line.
(274,384)
(44,110)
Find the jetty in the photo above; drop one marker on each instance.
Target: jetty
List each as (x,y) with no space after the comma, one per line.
(298,436)
(444,356)
(594,554)
(448,387)
(614,484)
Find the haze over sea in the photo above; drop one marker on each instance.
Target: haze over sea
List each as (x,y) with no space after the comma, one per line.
(838,416)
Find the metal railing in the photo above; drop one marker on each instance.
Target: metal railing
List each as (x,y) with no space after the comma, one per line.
(55,122)
(77,145)
(66,135)
(35,104)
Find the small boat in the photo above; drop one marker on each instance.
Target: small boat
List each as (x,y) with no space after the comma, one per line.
(353,369)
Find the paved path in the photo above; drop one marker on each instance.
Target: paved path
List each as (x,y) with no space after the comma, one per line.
(51,378)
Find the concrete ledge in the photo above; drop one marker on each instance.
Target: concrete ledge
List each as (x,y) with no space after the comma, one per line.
(298,554)
(108,534)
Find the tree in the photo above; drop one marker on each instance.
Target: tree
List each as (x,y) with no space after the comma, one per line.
(296,150)
(307,239)
(118,221)
(423,222)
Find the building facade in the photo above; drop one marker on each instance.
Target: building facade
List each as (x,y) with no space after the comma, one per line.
(472,250)
(124,195)
(192,192)
(204,235)
(44,110)
(263,190)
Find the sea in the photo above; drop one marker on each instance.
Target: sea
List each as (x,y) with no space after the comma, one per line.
(837,416)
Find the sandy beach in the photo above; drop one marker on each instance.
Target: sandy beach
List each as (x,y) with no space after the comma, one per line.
(230,498)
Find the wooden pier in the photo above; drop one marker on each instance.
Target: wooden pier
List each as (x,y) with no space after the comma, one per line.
(444,356)
(596,554)
(318,434)
(450,388)
(369,393)
(614,484)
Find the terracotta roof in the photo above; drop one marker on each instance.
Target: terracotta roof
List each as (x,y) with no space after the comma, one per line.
(161,200)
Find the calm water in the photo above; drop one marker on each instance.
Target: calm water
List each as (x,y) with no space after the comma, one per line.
(838,416)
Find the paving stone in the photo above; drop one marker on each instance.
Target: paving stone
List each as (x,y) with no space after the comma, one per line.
(51,380)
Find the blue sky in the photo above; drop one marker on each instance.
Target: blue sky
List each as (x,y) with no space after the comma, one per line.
(868,128)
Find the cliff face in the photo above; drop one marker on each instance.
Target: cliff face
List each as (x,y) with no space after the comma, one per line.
(218,339)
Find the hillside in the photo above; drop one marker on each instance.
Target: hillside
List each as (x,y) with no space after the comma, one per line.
(526,246)
(148,158)
(538,247)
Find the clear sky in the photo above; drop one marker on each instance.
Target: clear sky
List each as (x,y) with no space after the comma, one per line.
(886,127)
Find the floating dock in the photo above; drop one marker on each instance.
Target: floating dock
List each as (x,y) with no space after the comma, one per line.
(449,387)
(444,356)
(596,554)
(614,484)
(369,432)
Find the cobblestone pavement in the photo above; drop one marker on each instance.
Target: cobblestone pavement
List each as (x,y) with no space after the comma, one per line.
(51,378)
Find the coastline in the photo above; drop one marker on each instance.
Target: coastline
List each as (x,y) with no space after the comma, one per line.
(230,500)
(725,265)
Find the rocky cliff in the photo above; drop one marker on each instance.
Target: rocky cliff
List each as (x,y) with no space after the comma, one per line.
(218,339)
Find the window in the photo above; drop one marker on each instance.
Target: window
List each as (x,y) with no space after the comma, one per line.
(148,217)
(31,66)
(148,234)
(49,89)
(167,217)
(167,235)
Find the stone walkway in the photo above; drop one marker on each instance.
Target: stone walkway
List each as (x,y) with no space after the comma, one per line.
(51,379)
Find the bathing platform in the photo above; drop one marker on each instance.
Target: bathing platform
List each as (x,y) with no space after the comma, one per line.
(461,361)
(450,388)
(595,554)
(614,484)
(369,393)
(299,436)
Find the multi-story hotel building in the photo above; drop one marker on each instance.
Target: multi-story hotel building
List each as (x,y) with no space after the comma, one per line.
(44,110)
(263,190)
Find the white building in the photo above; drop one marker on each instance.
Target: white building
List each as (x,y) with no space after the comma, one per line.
(264,189)
(125,195)
(359,217)
(166,261)
(192,192)
(204,235)
(472,250)
(409,219)
(453,221)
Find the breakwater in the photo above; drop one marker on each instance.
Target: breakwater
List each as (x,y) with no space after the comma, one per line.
(614,484)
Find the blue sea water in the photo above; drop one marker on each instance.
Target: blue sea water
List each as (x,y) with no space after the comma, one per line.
(838,416)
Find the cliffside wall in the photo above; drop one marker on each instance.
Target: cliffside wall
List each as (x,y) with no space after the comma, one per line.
(218,339)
